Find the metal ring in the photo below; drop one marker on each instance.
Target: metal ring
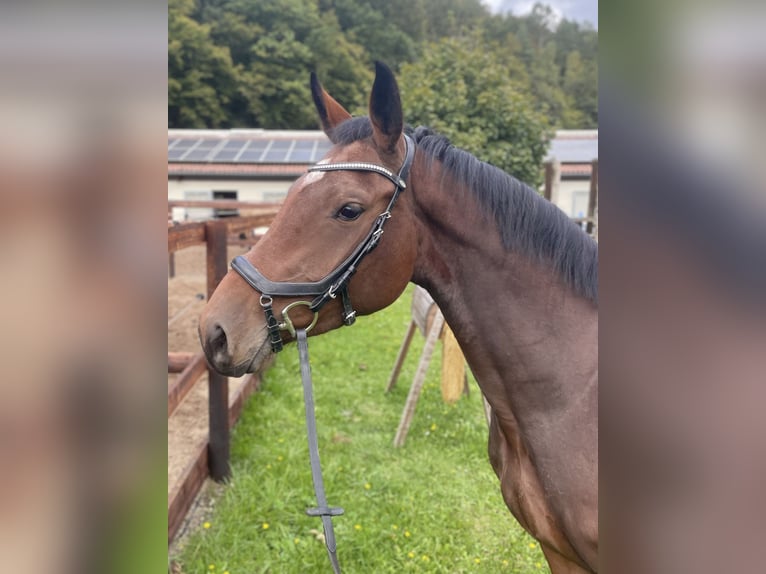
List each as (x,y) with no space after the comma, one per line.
(287,324)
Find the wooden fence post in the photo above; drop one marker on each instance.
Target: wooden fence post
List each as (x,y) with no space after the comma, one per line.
(218,385)
(552,176)
(593,197)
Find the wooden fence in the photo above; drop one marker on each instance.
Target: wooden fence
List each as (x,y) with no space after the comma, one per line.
(212,456)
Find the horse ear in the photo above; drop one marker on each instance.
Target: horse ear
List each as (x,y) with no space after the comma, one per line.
(385,109)
(331,113)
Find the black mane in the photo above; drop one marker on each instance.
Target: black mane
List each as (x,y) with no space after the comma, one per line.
(526,222)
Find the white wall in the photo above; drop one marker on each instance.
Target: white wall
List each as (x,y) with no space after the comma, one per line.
(247,190)
(573,197)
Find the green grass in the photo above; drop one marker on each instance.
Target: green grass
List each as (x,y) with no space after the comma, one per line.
(432,506)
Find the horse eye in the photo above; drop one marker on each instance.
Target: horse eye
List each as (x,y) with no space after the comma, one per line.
(349,212)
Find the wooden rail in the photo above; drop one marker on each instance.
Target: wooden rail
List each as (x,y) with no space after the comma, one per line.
(185,382)
(177,361)
(222,204)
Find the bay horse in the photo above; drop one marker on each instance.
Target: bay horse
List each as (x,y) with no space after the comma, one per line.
(516,280)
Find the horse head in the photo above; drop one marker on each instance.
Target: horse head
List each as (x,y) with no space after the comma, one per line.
(326,217)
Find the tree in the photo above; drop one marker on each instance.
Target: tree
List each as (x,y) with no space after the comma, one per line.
(246,62)
(201,77)
(367,26)
(461,89)
(580,85)
(275,45)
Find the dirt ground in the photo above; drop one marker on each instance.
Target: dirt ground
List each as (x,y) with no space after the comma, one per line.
(187,428)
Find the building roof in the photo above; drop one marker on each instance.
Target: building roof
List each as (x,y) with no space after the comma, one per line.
(287,153)
(246,146)
(574,146)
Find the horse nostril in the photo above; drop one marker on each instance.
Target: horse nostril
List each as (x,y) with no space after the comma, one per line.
(217,339)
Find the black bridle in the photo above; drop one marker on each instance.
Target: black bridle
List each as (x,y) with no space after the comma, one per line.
(337,280)
(322,291)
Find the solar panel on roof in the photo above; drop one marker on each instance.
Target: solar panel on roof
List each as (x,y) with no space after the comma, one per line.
(234,144)
(277,151)
(186,143)
(225,155)
(250,156)
(197,155)
(301,155)
(200,151)
(239,150)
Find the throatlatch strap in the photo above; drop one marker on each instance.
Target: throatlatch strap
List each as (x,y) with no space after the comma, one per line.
(322,510)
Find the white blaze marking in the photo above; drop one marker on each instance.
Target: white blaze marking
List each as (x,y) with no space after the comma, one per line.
(313,176)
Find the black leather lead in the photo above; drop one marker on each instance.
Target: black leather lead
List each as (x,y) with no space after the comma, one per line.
(323,510)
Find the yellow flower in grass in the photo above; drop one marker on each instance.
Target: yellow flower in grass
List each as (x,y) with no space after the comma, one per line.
(406,533)
(367,486)
(532,545)
(211,567)
(538,564)
(477,560)
(357,526)
(297,540)
(265,526)
(433,427)
(425,558)
(280,458)
(206,525)
(410,554)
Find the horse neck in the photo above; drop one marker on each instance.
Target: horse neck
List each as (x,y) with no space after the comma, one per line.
(517,321)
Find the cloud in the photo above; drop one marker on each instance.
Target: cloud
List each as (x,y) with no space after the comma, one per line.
(579,10)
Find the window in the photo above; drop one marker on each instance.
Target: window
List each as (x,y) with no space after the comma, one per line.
(580,203)
(225,212)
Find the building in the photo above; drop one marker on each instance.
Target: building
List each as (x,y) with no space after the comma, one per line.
(247,165)
(574,151)
(260,165)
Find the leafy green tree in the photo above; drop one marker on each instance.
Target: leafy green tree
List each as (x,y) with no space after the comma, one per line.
(461,89)
(545,83)
(201,77)
(580,84)
(246,62)
(367,26)
(275,44)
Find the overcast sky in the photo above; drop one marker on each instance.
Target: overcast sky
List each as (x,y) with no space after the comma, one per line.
(580,10)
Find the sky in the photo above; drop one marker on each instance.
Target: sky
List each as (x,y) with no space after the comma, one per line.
(580,10)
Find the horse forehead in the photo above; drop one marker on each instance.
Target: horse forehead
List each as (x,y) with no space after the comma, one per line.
(313,176)
(356,151)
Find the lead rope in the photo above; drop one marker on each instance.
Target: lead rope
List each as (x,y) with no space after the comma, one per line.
(322,510)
